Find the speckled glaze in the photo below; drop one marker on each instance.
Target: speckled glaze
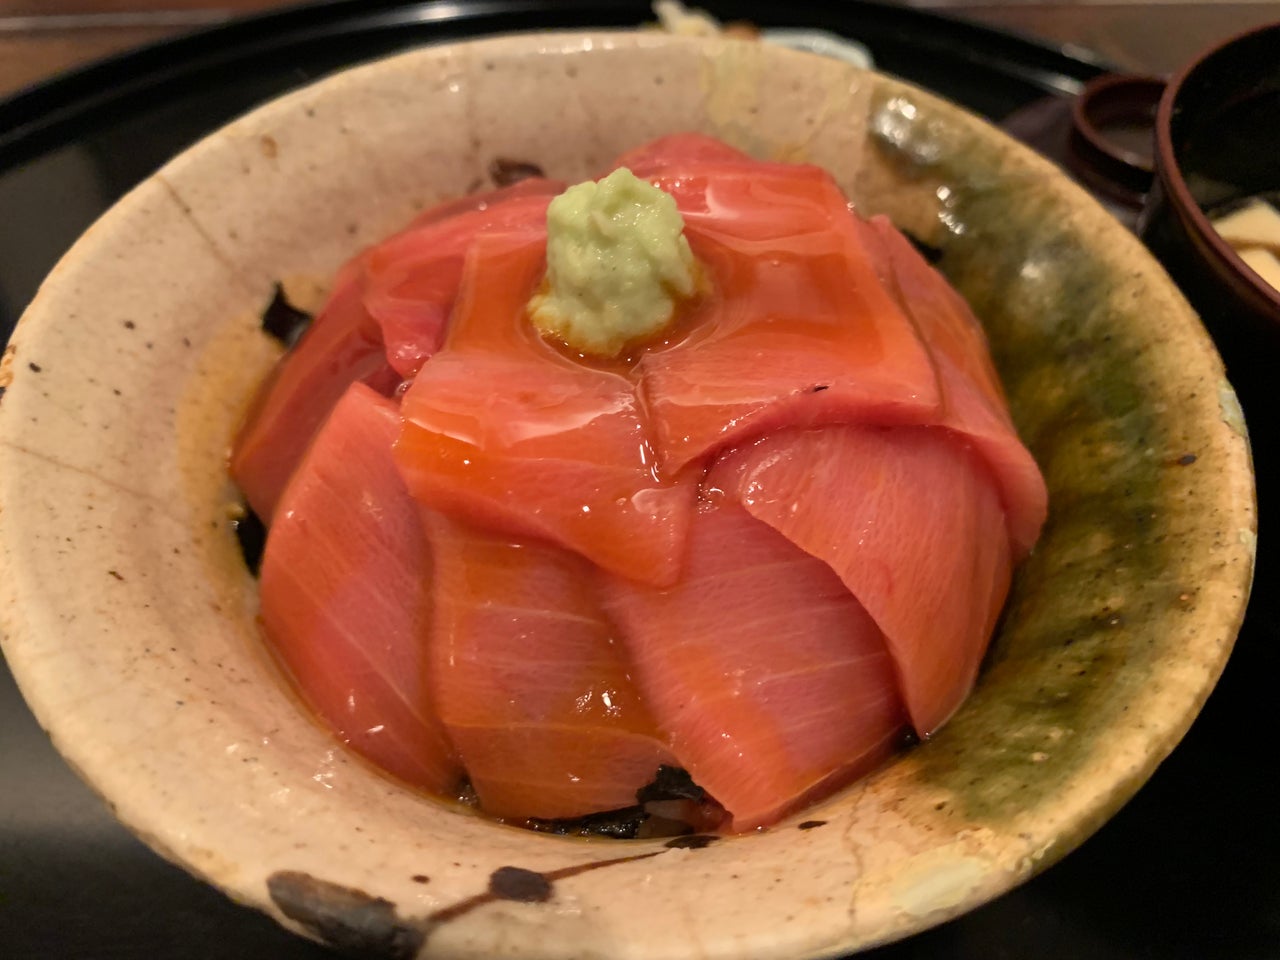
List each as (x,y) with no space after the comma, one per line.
(128,619)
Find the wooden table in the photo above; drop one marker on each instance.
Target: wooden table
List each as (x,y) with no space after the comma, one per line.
(39,38)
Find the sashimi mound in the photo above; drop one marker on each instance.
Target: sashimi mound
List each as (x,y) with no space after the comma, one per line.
(690,574)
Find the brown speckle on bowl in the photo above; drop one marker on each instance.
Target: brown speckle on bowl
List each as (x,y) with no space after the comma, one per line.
(519,884)
(348,919)
(696,841)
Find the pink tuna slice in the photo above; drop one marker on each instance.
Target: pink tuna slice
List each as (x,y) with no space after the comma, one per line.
(770,679)
(346,595)
(342,346)
(384,318)
(531,683)
(798,329)
(911,521)
(413,278)
(973,400)
(508,433)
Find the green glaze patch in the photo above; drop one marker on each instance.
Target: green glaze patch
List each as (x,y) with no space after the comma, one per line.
(1101,609)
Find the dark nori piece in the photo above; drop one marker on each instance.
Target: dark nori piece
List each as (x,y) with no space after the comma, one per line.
(628,823)
(632,823)
(696,841)
(671,783)
(252,536)
(621,824)
(504,172)
(928,251)
(283,320)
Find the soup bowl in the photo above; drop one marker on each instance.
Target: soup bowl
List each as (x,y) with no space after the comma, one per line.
(1217,130)
(129,615)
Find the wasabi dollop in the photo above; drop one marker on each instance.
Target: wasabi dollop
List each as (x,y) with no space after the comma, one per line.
(618,265)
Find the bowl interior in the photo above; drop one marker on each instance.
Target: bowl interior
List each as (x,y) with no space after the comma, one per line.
(129,372)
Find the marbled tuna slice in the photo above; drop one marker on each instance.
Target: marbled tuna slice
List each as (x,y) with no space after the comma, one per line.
(413,277)
(797,327)
(973,402)
(911,521)
(342,346)
(679,149)
(772,682)
(346,581)
(505,432)
(531,683)
(384,318)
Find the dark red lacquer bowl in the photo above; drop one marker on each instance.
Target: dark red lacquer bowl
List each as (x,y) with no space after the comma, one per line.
(1217,140)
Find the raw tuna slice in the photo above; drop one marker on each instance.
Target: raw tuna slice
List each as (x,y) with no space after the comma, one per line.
(530,681)
(504,430)
(911,521)
(678,149)
(342,346)
(346,595)
(413,278)
(797,329)
(770,679)
(384,318)
(973,400)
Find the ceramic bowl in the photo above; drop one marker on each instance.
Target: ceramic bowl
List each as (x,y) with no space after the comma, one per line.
(129,617)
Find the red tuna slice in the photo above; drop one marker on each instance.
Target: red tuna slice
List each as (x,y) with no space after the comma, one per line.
(507,433)
(943,316)
(798,329)
(678,149)
(346,595)
(383,319)
(413,277)
(530,682)
(911,521)
(973,400)
(342,346)
(772,682)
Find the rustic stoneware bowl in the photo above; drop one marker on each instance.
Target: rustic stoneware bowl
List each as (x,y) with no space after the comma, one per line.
(129,617)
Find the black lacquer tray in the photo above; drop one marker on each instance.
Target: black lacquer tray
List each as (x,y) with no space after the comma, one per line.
(1186,870)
